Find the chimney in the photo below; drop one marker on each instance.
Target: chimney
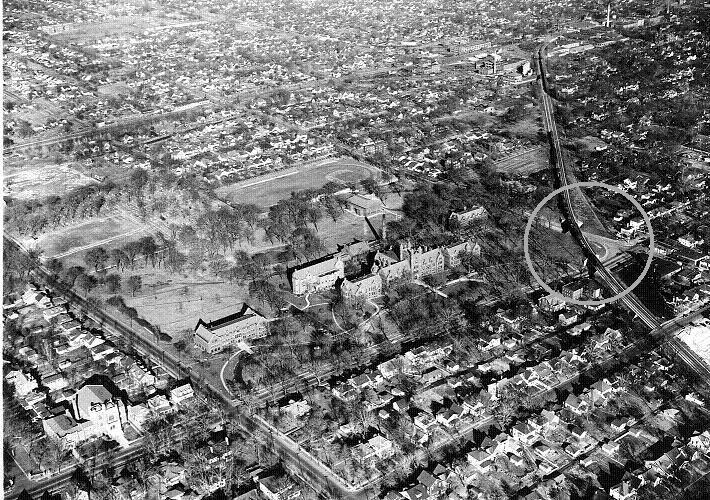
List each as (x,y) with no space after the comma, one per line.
(383,232)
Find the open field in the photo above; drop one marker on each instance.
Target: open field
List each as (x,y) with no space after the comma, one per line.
(523,162)
(70,243)
(87,32)
(553,253)
(38,182)
(529,126)
(269,189)
(175,302)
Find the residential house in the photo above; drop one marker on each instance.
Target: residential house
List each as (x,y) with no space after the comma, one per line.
(550,303)
(576,405)
(568,318)
(525,433)
(278,488)
(23,383)
(623,491)
(181,393)
(34,297)
(297,409)
(416,492)
(107,414)
(611,448)
(701,441)
(55,382)
(481,460)
(600,390)
(376,448)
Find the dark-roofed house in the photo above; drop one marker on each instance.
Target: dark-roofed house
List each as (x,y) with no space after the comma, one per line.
(244,325)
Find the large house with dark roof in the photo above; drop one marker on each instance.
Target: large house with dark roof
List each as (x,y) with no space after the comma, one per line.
(214,336)
(97,412)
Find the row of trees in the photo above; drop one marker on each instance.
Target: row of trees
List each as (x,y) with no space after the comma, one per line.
(77,276)
(32,217)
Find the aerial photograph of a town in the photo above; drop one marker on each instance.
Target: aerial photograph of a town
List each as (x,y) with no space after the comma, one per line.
(356,249)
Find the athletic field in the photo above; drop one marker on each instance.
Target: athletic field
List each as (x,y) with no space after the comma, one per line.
(267,190)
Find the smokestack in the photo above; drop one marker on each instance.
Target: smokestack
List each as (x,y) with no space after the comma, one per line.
(383,232)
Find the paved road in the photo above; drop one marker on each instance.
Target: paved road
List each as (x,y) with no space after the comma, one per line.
(611,246)
(294,457)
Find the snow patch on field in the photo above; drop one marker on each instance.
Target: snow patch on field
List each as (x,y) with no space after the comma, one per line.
(697,337)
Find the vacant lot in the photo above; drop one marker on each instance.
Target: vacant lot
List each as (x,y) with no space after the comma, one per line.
(269,189)
(25,182)
(87,32)
(523,162)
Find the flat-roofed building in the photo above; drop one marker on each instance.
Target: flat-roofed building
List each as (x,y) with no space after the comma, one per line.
(216,335)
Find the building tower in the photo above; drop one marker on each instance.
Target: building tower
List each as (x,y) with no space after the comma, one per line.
(608,15)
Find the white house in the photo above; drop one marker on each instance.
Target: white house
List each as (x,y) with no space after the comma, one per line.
(24,383)
(181,393)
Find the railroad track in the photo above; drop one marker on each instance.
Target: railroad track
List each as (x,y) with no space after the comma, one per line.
(605,276)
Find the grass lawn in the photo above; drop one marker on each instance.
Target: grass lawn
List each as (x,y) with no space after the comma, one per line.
(175,302)
(554,247)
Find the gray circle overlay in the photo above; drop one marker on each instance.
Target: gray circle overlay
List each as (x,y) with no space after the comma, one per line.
(614,189)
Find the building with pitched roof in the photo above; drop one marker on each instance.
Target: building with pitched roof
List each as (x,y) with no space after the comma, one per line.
(467,216)
(454,253)
(422,261)
(214,336)
(317,275)
(365,287)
